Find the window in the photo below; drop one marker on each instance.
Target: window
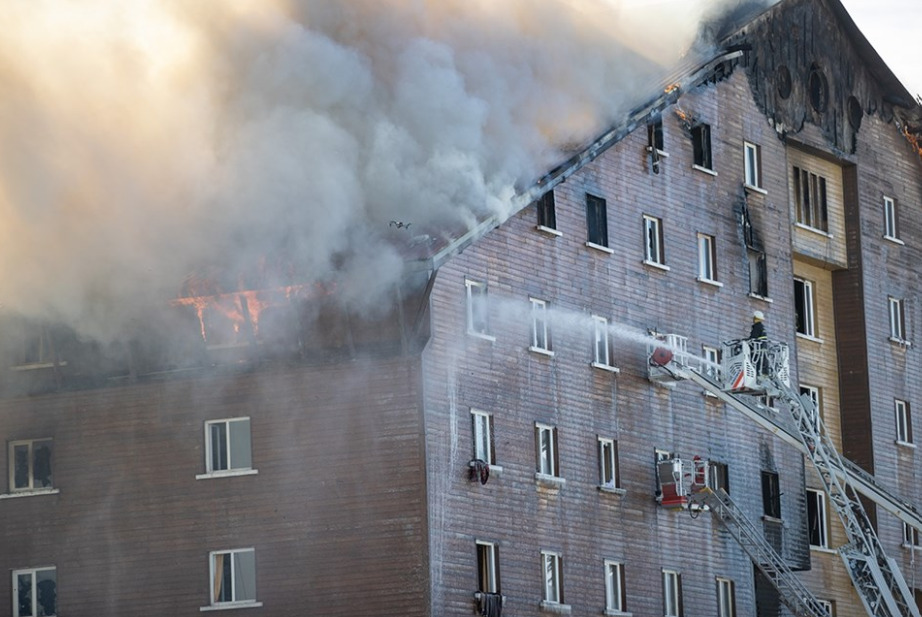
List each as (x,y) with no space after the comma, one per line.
(726,598)
(487,567)
(608,464)
(827,605)
(707,258)
(803,307)
(653,241)
(553,584)
(477,309)
(601,352)
(546,449)
(227,445)
(816,518)
(35,592)
(30,465)
(539,331)
(771,496)
(903,421)
(758,274)
(897,320)
(547,211)
(810,199)
(672,593)
(711,357)
(813,393)
(910,536)
(596,220)
(752,155)
(655,135)
(483,437)
(719,476)
(891,230)
(233,577)
(701,146)
(615,597)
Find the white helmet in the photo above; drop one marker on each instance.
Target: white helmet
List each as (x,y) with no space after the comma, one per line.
(758,316)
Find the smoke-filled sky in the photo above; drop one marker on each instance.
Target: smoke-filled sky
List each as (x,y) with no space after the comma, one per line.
(141,141)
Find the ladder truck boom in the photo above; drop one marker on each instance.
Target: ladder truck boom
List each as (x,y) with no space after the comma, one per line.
(760,368)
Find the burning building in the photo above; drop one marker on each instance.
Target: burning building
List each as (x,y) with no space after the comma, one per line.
(483,433)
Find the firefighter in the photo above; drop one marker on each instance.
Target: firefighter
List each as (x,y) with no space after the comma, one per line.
(757,332)
(759,345)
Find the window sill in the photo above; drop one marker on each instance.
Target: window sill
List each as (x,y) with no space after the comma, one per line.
(823,549)
(599,247)
(605,367)
(914,547)
(814,230)
(550,231)
(229,605)
(541,351)
(495,470)
(772,519)
(709,282)
(660,153)
(610,612)
(555,607)
(37,366)
(33,493)
(657,265)
(809,337)
(751,188)
(614,490)
(482,336)
(894,240)
(762,298)
(227,474)
(899,341)
(905,444)
(705,170)
(550,481)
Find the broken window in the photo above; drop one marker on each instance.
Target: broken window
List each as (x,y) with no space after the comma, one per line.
(547,213)
(810,199)
(596,220)
(910,536)
(30,465)
(227,445)
(546,450)
(540,341)
(701,146)
(654,252)
(752,155)
(35,592)
(233,576)
(553,586)
(816,518)
(719,476)
(803,307)
(477,308)
(818,89)
(483,437)
(758,273)
(655,135)
(615,596)
(771,495)
(891,230)
(487,567)
(672,594)
(608,464)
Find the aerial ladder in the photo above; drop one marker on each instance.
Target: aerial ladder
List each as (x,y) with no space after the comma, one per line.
(752,369)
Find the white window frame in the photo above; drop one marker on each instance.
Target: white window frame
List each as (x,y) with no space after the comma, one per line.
(482,433)
(827,604)
(609,474)
(810,215)
(711,356)
(752,156)
(707,259)
(210,471)
(672,593)
(897,310)
(814,393)
(910,537)
(601,344)
(478,325)
(552,565)
(546,458)
(819,498)
(540,332)
(487,567)
(654,253)
(615,595)
(726,597)
(809,302)
(33,572)
(11,458)
(891,221)
(234,602)
(903,421)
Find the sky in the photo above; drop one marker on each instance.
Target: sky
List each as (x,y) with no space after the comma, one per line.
(894,28)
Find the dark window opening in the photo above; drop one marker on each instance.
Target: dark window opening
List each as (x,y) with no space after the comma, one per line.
(771,496)
(783,81)
(854,112)
(596,220)
(758,274)
(488,568)
(719,476)
(547,213)
(818,89)
(816,518)
(655,135)
(701,144)
(810,197)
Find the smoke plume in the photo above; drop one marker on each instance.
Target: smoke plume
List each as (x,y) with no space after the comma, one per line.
(144,141)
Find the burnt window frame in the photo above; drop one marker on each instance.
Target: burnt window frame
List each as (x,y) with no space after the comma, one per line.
(596,221)
(771,495)
(702,152)
(37,595)
(758,273)
(546,210)
(655,136)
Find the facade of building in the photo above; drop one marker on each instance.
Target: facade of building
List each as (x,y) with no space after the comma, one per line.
(488,442)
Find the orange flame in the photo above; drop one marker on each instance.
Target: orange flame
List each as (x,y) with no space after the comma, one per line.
(914,139)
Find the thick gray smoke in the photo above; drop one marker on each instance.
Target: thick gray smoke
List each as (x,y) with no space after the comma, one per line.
(143,141)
